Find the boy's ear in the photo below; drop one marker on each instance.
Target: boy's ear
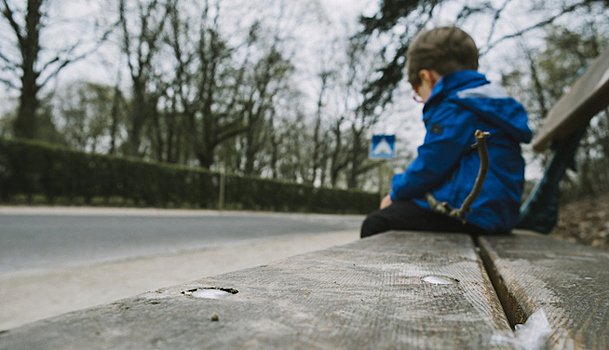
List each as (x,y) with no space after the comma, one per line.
(423,75)
(429,75)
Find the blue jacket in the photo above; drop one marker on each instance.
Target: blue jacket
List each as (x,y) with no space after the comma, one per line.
(447,166)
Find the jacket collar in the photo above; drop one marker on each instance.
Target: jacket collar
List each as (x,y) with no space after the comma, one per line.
(456,81)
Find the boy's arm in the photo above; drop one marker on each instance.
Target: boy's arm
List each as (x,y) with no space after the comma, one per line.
(450,134)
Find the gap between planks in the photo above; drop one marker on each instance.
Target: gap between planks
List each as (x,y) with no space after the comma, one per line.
(514,313)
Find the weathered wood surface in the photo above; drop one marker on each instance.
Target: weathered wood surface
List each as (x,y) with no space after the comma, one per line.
(370,294)
(587,96)
(570,282)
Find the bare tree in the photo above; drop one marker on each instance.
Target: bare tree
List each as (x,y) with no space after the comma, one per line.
(141,31)
(269,77)
(203,86)
(315,168)
(288,136)
(354,121)
(20,60)
(84,112)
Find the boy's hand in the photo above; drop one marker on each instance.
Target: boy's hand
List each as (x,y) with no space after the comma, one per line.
(386,202)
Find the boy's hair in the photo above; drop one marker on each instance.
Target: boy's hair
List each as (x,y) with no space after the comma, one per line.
(445,50)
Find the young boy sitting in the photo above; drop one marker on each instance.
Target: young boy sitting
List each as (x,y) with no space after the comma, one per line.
(441,67)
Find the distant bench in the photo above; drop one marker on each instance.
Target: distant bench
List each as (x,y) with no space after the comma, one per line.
(398,290)
(562,131)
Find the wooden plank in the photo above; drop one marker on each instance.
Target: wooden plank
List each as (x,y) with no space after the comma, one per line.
(377,293)
(587,96)
(568,281)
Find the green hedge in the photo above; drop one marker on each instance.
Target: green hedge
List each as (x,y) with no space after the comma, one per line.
(33,169)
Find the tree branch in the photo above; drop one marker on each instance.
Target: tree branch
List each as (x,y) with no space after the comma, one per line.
(495,20)
(66,61)
(8,14)
(460,213)
(534,26)
(8,83)
(230,130)
(9,64)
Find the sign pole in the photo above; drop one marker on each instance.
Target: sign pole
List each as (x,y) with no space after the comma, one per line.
(222,185)
(381,180)
(382,148)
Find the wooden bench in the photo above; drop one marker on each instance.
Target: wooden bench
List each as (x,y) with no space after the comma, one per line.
(569,282)
(398,290)
(371,294)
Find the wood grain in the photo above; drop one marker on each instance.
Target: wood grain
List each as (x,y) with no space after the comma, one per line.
(370,294)
(570,282)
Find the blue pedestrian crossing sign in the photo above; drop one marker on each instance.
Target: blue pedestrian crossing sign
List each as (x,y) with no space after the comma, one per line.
(382,147)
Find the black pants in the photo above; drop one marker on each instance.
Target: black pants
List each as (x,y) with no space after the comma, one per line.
(406,215)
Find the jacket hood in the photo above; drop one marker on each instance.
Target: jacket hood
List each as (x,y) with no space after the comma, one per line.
(473,91)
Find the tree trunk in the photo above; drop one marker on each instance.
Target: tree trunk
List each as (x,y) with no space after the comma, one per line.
(26,125)
(139,115)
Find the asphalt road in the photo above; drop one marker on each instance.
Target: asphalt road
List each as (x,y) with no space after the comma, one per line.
(34,239)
